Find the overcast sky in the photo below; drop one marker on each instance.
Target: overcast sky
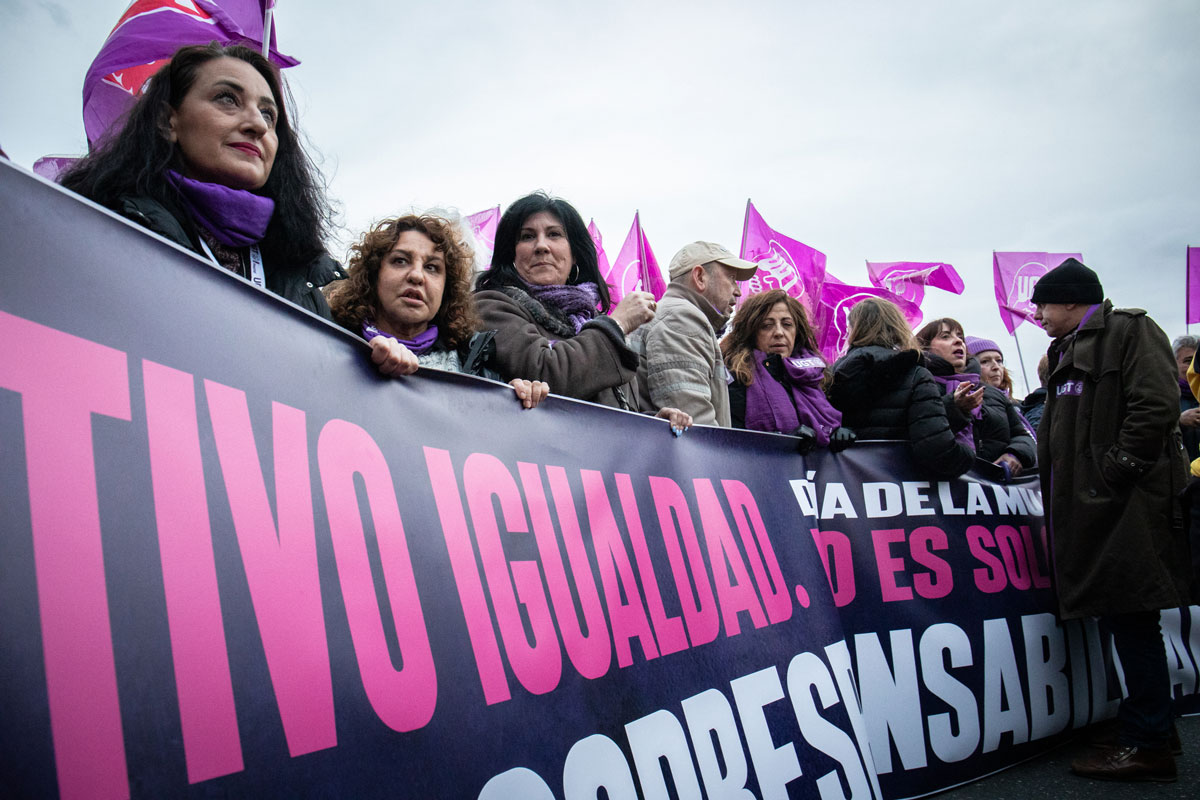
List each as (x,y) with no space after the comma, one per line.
(924,131)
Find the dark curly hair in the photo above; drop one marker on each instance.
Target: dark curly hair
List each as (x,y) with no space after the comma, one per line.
(508,230)
(355,299)
(738,345)
(133,162)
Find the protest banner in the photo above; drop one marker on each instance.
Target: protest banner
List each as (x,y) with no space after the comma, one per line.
(235,560)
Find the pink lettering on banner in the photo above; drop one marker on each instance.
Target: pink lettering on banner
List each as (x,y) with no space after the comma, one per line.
(280,561)
(763,561)
(207,714)
(590,653)
(668,630)
(537,665)
(64,508)
(838,559)
(736,595)
(1012,552)
(696,599)
(616,573)
(403,698)
(939,580)
(990,578)
(888,565)
(467,580)
(1040,579)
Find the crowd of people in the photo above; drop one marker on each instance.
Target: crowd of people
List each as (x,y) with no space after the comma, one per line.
(210,159)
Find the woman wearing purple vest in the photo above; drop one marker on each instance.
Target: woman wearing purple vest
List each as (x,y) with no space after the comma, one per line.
(777,373)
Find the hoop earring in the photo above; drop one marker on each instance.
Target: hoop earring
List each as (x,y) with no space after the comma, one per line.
(573,274)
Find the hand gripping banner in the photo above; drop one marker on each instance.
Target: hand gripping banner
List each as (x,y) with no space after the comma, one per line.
(236,561)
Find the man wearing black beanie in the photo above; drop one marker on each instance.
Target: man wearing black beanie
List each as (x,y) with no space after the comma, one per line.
(1112,465)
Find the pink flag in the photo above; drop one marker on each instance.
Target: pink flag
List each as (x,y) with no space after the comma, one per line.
(636,269)
(146,36)
(1014,275)
(601,257)
(837,298)
(783,263)
(1193,285)
(483,228)
(50,167)
(908,279)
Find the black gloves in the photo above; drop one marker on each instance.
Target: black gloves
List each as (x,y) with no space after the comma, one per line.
(807,439)
(840,439)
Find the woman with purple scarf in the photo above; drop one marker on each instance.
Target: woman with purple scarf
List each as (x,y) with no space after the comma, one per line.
(209,159)
(777,372)
(541,296)
(981,415)
(408,293)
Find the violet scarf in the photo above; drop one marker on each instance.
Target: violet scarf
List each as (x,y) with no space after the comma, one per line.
(952,382)
(235,217)
(772,406)
(577,302)
(420,345)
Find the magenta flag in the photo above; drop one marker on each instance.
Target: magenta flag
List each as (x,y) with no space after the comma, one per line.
(1014,275)
(1193,285)
(145,37)
(783,263)
(601,257)
(833,308)
(636,269)
(483,228)
(50,167)
(908,279)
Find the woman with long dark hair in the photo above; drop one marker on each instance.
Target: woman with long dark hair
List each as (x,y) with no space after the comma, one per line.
(209,158)
(541,296)
(981,415)
(883,391)
(777,370)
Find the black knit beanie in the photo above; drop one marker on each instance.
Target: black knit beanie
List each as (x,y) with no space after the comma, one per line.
(1069,282)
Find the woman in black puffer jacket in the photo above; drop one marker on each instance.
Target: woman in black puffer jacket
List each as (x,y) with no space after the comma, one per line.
(883,391)
(980,414)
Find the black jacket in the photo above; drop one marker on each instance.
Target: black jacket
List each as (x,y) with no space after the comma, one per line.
(301,285)
(1033,406)
(887,394)
(998,429)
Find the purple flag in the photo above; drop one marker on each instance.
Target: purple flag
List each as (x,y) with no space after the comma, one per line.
(833,308)
(483,228)
(908,279)
(636,269)
(50,167)
(146,36)
(1014,275)
(783,263)
(1193,285)
(601,257)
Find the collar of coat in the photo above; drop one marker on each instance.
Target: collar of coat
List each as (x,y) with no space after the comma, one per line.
(687,294)
(1080,348)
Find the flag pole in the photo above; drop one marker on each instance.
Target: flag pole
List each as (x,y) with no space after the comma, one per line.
(1021,359)
(267,19)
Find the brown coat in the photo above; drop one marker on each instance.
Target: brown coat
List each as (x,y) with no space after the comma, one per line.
(1111,465)
(532,343)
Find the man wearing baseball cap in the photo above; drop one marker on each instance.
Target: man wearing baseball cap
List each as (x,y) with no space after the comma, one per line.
(681,365)
(1111,467)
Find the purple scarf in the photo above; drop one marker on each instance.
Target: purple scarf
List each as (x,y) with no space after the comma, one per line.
(771,406)
(578,302)
(952,382)
(421,345)
(235,217)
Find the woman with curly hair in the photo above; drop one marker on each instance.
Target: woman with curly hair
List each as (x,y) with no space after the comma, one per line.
(408,292)
(208,158)
(884,392)
(777,372)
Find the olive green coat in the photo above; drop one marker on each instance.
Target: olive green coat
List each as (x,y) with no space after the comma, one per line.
(1112,464)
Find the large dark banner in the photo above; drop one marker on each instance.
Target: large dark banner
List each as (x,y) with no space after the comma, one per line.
(234,561)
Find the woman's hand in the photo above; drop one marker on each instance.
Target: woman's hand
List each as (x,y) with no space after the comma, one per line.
(530,393)
(680,420)
(1190,418)
(1014,465)
(968,396)
(392,358)
(634,310)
